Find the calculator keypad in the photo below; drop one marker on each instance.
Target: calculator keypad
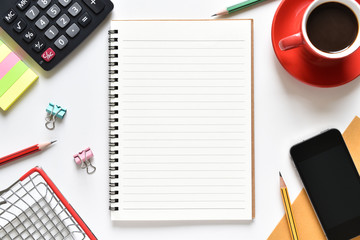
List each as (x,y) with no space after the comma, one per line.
(63,21)
(53,11)
(29,35)
(10,16)
(51,32)
(73,30)
(75,9)
(64,3)
(48,55)
(20,25)
(51,29)
(85,19)
(43,3)
(42,22)
(38,45)
(32,13)
(61,42)
(96,5)
(22,4)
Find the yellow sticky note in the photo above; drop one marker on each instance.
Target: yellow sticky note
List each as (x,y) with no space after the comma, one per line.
(4,52)
(18,88)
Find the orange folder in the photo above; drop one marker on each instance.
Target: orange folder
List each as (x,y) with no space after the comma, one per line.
(306,221)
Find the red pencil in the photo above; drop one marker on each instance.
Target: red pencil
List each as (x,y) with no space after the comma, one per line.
(25,152)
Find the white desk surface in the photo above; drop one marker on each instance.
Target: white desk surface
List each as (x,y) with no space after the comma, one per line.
(286,111)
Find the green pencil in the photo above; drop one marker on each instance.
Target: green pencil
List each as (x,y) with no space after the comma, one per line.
(237,7)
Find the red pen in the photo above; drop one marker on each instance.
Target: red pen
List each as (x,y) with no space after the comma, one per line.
(25,152)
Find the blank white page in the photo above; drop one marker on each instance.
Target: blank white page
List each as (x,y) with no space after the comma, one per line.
(185,120)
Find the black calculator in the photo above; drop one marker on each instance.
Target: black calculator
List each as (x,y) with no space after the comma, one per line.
(48,30)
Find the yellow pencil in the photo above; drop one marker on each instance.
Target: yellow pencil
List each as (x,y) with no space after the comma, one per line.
(288,210)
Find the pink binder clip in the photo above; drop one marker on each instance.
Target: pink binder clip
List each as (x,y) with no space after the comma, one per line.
(82,159)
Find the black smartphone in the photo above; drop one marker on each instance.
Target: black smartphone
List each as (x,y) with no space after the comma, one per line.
(331,181)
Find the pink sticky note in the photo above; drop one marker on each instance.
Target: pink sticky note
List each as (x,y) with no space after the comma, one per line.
(8,63)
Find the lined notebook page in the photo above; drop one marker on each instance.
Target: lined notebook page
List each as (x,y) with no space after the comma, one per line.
(185,120)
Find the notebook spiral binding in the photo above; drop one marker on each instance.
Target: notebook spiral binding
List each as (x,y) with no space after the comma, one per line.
(113,121)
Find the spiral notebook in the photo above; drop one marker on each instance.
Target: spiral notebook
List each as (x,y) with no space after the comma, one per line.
(181,120)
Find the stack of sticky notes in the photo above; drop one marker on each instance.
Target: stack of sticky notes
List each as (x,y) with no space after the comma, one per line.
(15,77)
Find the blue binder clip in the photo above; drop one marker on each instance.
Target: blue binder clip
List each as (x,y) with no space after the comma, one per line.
(53,112)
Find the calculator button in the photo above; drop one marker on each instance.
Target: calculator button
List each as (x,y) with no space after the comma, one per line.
(29,35)
(53,11)
(22,4)
(10,16)
(38,45)
(75,9)
(51,32)
(43,3)
(42,22)
(32,13)
(63,21)
(85,19)
(96,5)
(73,30)
(61,42)
(64,3)
(19,25)
(48,55)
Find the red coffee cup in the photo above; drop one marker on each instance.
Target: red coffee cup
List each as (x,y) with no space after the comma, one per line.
(347,9)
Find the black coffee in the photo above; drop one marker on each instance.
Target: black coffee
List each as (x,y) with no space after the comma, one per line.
(332,27)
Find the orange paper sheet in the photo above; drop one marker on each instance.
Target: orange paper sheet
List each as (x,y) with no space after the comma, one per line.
(306,221)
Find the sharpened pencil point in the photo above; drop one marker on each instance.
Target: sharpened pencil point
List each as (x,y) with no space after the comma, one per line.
(214,15)
(280,174)
(53,141)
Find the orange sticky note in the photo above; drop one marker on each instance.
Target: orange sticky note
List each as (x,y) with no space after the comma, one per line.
(307,223)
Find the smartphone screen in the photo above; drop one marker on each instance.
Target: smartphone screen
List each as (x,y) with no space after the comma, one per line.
(331,182)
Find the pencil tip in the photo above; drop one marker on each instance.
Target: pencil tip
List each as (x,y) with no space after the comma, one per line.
(280,174)
(53,141)
(214,15)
